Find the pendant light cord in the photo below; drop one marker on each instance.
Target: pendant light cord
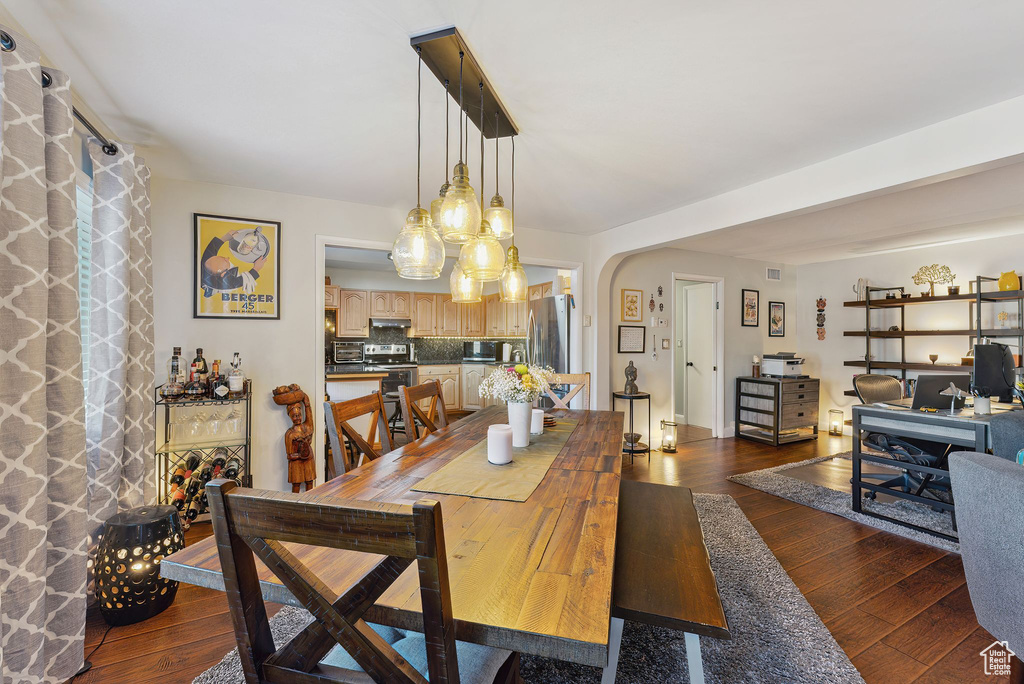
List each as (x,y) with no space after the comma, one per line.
(496,191)
(481,145)
(447,140)
(513,198)
(462,103)
(419,117)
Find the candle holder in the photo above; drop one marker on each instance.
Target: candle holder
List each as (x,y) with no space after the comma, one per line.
(669,436)
(836,422)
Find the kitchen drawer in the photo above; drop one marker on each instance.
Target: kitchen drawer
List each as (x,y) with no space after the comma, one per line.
(799,415)
(429,371)
(801,397)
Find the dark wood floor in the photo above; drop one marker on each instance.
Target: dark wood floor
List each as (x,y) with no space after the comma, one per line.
(900,609)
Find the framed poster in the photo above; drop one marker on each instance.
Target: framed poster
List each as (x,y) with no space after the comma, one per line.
(236,268)
(632,339)
(751,306)
(632,306)
(776,319)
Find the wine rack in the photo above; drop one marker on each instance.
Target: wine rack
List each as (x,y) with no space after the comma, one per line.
(196,462)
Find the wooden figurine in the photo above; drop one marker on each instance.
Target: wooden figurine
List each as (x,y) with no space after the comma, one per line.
(298,439)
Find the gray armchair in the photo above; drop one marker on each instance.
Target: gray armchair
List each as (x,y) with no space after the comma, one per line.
(989,493)
(1007,434)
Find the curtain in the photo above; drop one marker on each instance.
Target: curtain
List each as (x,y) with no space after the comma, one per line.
(119,412)
(43,487)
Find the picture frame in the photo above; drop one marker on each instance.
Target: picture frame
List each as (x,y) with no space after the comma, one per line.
(632,339)
(776,319)
(236,267)
(750,308)
(632,306)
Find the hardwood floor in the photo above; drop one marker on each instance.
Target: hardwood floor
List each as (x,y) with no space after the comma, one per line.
(899,609)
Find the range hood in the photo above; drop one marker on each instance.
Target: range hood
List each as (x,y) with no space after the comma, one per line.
(390,323)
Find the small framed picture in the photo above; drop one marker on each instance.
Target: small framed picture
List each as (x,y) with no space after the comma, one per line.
(632,306)
(776,319)
(751,308)
(632,339)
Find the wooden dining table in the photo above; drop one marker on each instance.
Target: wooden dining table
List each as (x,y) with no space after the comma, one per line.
(533,577)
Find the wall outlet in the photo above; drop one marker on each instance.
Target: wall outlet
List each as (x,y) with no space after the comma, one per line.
(586,320)
(657,322)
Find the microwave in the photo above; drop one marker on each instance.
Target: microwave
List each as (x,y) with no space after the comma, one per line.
(347,352)
(480,350)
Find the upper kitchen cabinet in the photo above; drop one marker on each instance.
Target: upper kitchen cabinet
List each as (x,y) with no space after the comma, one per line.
(540,290)
(516,317)
(449,316)
(494,315)
(390,305)
(424,315)
(473,320)
(353,313)
(332,297)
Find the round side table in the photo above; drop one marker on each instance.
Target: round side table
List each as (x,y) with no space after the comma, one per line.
(632,445)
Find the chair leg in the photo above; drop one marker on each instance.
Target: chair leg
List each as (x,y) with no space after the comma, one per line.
(509,671)
(614,641)
(693,660)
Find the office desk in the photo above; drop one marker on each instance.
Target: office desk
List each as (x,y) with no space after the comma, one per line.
(964,430)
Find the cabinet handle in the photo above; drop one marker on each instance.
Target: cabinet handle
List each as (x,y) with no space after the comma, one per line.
(800,414)
(800,396)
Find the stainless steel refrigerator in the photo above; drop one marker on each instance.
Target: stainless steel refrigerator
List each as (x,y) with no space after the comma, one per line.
(548,332)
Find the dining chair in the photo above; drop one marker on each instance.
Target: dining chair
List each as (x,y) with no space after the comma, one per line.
(338,645)
(352,453)
(578,382)
(433,419)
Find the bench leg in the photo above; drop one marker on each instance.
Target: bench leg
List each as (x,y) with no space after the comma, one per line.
(614,640)
(693,660)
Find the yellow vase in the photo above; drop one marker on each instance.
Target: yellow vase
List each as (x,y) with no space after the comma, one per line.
(1009,281)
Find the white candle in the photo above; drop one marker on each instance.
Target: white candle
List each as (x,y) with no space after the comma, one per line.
(499,444)
(537,422)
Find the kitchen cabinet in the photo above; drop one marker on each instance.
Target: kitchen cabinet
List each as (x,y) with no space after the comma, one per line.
(332,296)
(424,315)
(472,375)
(401,304)
(353,313)
(390,304)
(516,317)
(494,315)
(473,319)
(449,375)
(449,316)
(540,290)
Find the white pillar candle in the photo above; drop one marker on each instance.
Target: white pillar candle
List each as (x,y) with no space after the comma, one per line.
(499,444)
(537,422)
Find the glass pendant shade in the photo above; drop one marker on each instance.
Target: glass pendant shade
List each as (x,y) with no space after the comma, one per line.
(500,218)
(483,258)
(418,251)
(460,210)
(435,207)
(465,290)
(513,278)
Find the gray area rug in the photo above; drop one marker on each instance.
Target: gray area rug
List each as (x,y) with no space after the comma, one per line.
(777,637)
(775,481)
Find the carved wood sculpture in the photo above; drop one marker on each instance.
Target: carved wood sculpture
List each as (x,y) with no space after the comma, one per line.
(298,439)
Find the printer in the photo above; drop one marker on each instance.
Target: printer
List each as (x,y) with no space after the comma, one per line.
(782,365)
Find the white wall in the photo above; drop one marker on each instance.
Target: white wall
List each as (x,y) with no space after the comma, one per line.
(834,280)
(274,352)
(648,270)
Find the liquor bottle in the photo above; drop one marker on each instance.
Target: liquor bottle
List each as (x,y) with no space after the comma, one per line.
(196,388)
(236,378)
(204,370)
(173,389)
(219,388)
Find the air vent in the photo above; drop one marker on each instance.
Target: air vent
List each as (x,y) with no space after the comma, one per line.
(773,273)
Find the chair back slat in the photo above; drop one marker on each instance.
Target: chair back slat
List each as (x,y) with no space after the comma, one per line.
(578,382)
(338,415)
(433,419)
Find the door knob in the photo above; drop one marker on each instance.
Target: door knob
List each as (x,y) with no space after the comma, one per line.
(689,363)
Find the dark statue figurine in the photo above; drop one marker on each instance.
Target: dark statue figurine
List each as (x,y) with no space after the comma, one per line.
(298,439)
(631,387)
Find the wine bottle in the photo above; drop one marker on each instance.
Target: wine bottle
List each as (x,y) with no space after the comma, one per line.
(191,463)
(177,478)
(204,370)
(231,469)
(206,474)
(178,499)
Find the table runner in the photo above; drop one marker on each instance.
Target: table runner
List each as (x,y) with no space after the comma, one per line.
(471,474)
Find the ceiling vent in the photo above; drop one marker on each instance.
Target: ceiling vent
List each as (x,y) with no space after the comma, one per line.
(773,274)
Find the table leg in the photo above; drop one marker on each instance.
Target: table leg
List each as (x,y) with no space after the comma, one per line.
(614,640)
(693,660)
(856,479)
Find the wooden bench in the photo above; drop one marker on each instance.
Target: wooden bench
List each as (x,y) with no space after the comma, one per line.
(663,573)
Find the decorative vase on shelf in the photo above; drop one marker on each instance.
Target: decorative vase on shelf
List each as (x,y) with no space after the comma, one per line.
(519,415)
(1009,280)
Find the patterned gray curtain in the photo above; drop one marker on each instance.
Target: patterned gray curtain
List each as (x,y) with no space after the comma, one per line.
(119,415)
(42,435)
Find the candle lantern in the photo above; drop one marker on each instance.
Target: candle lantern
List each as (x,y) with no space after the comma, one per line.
(669,436)
(836,422)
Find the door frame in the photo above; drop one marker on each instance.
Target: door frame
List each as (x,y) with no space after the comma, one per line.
(717,343)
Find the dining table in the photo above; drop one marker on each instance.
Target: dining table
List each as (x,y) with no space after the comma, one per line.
(531,576)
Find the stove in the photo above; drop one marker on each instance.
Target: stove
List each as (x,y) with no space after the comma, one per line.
(393,359)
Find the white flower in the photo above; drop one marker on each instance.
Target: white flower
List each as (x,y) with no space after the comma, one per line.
(512,387)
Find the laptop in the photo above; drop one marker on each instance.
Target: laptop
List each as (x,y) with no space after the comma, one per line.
(929,388)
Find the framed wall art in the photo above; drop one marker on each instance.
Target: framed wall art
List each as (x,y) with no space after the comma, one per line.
(632,306)
(776,319)
(751,308)
(236,268)
(632,339)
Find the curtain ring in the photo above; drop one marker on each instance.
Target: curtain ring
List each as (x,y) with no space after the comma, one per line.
(110,149)
(7,43)
(47,80)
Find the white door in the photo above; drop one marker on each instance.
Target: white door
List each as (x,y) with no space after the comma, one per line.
(699,354)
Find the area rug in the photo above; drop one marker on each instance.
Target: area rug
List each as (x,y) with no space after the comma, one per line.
(777,637)
(775,481)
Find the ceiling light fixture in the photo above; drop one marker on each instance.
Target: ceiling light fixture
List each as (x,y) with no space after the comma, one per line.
(418,251)
(482,258)
(465,290)
(513,279)
(460,216)
(498,215)
(435,206)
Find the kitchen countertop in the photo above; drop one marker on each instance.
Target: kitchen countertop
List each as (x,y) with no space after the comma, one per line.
(458,362)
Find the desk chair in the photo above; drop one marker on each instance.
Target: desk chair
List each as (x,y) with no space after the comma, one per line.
(1007,431)
(433,419)
(339,646)
(356,448)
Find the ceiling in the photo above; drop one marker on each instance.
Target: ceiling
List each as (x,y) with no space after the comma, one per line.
(624,112)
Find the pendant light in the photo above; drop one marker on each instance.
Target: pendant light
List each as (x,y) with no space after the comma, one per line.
(465,290)
(482,258)
(498,215)
(418,251)
(460,216)
(513,279)
(435,206)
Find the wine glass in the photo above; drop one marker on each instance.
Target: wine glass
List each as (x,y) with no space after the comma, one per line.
(933,358)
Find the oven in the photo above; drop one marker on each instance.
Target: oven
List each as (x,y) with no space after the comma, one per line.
(397,376)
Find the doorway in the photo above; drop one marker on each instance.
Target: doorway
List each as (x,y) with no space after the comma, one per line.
(696,358)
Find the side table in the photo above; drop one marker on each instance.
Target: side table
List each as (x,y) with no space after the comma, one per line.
(631,444)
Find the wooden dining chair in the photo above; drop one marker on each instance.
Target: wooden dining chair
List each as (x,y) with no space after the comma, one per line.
(433,419)
(356,448)
(578,382)
(338,645)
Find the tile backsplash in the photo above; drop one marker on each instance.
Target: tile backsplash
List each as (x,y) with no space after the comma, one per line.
(431,348)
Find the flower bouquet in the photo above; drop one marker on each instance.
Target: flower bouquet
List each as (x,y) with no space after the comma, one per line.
(518,386)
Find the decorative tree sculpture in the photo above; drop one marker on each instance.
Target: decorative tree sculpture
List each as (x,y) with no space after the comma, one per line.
(298,439)
(933,274)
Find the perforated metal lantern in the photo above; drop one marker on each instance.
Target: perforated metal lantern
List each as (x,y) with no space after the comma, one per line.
(127,567)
